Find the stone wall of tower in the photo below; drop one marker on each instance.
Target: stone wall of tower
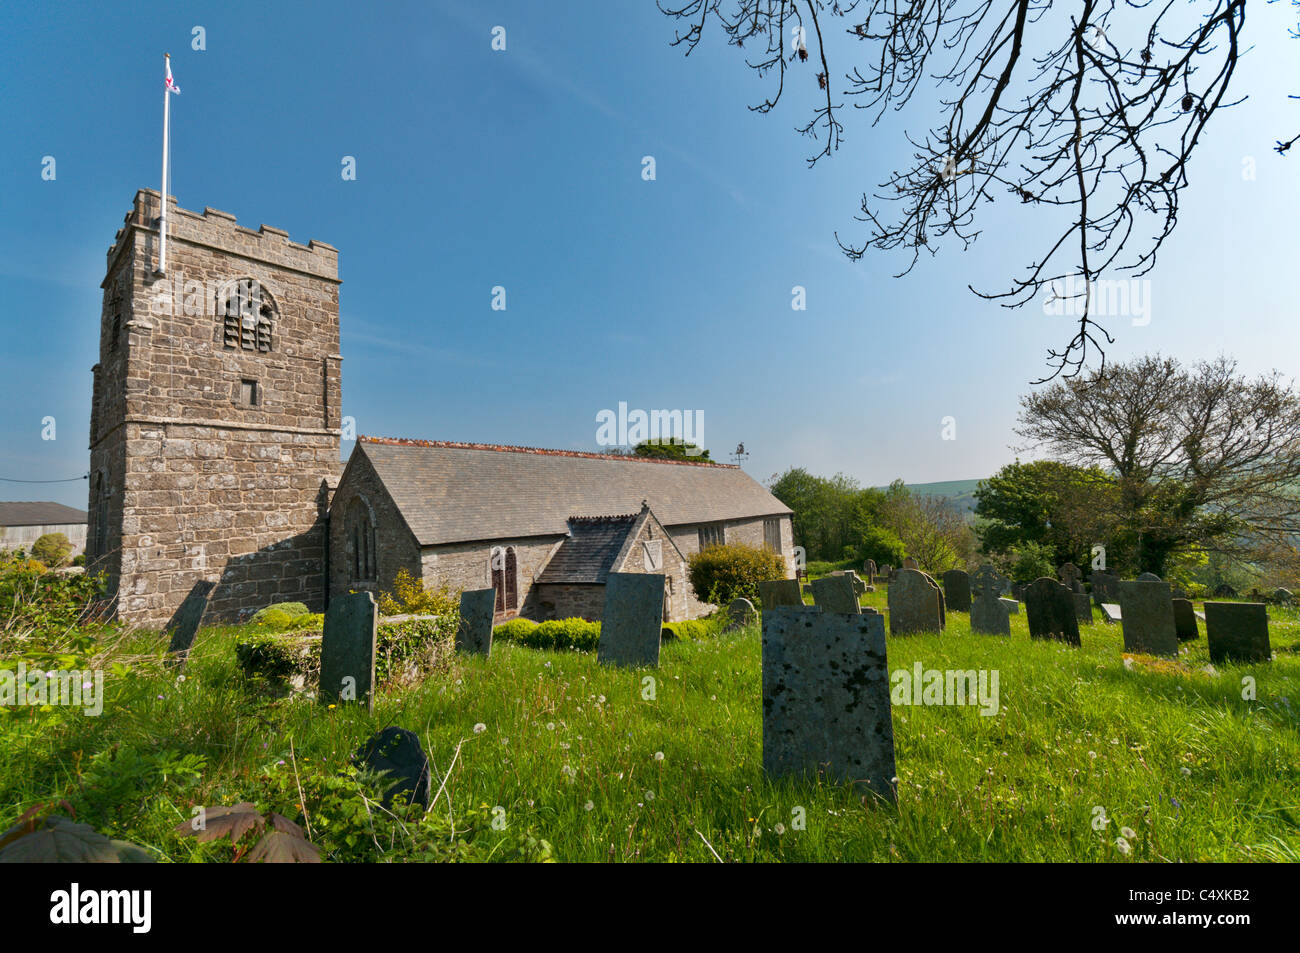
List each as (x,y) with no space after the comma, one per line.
(204,482)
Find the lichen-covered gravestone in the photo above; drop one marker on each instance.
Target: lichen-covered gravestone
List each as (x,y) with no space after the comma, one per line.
(779,592)
(826,699)
(474,634)
(741,612)
(859,587)
(836,594)
(988,613)
(870,570)
(910,563)
(1283,597)
(632,622)
(347,650)
(1185,620)
(957,590)
(1147,616)
(1072,579)
(184,624)
(1237,632)
(1049,609)
(914,604)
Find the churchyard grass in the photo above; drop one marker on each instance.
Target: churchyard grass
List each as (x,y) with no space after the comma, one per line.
(590,759)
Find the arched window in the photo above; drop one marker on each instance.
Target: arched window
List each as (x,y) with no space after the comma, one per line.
(360,529)
(247,316)
(505,578)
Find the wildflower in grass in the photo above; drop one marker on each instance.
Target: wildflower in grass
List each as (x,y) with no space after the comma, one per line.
(1123,846)
(659,755)
(649,795)
(480,728)
(1092,754)
(1187,772)
(331,706)
(550,726)
(569,771)
(600,699)
(1128,833)
(780,829)
(589,806)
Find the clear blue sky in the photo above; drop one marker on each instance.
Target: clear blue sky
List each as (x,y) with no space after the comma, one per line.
(522,168)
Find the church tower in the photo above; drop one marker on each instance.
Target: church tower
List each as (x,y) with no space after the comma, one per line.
(214,429)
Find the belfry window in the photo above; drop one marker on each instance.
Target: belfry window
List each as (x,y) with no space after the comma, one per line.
(247,318)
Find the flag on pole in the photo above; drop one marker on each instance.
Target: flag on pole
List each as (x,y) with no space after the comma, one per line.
(171,83)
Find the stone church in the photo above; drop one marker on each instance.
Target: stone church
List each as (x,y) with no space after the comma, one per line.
(215,457)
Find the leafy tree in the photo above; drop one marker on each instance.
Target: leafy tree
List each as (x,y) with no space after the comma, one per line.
(883,546)
(830,514)
(52,549)
(1063,507)
(931,529)
(1199,456)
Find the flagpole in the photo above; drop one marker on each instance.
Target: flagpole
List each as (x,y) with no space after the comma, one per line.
(162,225)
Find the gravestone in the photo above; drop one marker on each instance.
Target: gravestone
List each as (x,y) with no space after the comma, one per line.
(184,624)
(1082,606)
(1111,613)
(633,619)
(1149,577)
(1049,608)
(779,592)
(988,613)
(1283,597)
(914,604)
(397,754)
(859,586)
(1225,591)
(910,563)
(826,699)
(1013,607)
(1018,592)
(1185,620)
(741,612)
(956,590)
(869,570)
(1237,632)
(1178,593)
(887,571)
(347,650)
(1147,615)
(474,634)
(1104,587)
(835,594)
(943,603)
(1071,577)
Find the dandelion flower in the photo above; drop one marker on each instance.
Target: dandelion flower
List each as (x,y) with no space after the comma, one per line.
(588,806)
(480,728)
(659,755)
(780,829)
(1187,772)
(1128,833)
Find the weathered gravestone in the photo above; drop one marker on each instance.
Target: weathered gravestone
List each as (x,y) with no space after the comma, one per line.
(741,612)
(956,590)
(474,635)
(1147,616)
(835,594)
(914,604)
(826,699)
(1104,587)
(1225,591)
(1072,579)
(1013,607)
(988,613)
(633,619)
(1185,620)
(1018,592)
(943,603)
(1149,577)
(1049,608)
(396,753)
(779,592)
(859,586)
(184,623)
(1237,632)
(347,650)
(910,563)
(1283,597)
(869,570)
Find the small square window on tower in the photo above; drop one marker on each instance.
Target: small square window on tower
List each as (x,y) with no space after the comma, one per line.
(248,393)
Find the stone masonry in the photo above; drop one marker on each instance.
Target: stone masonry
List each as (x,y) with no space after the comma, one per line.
(215,423)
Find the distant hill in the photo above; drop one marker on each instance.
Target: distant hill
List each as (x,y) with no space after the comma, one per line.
(961,493)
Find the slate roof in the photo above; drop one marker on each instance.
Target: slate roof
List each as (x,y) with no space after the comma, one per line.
(39,514)
(588,554)
(458,492)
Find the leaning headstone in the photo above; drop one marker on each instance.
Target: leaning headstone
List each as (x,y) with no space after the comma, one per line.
(347,650)
(914,604)
(988,612)
(779,592)
(396,753)
(474,635)
(1237,632)
(826,699)
(633,619)
(1225,591)
(1147,615)
(943,603)
(1111,613)
(859,586)
(741,612)
(1049,607)
(1185,620)
(835,594)
(910,563)
(956,590)
(1013,607)
(1104,587)
(1283,597)
(184,623)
